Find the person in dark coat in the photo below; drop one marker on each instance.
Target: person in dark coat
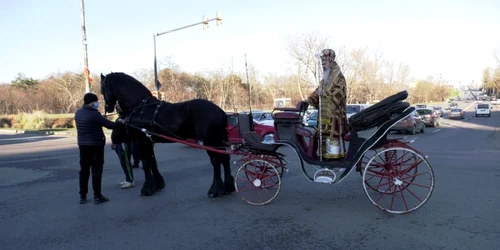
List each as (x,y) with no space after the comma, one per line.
(123,147)
(91,142)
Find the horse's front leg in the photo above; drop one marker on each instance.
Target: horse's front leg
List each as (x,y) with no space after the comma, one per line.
(217,188)
(145,154)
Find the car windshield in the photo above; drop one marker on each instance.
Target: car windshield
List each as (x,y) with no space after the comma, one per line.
(424,111)
(437,107)
(353,109)
(482,106)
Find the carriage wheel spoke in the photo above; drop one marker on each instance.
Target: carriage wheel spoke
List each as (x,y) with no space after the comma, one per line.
(413,176)
(414,195)
(416,184)
(401,190)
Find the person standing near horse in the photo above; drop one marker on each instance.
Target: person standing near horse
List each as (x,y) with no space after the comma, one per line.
(91,142)
(333,111)
(122,145)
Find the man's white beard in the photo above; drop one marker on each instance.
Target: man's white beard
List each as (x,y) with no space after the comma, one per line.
(326,78)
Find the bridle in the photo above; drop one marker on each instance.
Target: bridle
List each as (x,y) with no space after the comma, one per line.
(130,112)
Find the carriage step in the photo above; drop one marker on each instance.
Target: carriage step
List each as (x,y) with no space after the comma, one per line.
(325,175)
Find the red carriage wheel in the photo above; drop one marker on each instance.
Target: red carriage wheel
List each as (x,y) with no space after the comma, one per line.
(401,183)
(381,161)
(258,182)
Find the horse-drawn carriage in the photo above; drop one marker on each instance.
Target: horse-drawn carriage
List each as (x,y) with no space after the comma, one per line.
(390,168)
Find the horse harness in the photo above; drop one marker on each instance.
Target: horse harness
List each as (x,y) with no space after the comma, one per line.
(152,122)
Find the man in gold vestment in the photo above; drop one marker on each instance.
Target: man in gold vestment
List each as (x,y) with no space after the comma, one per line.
(333,111)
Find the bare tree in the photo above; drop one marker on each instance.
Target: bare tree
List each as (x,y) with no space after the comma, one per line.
(496,55)
(303,49)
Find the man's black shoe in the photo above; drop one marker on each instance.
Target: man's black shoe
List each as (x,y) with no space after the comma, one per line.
(99,200)
(83,200)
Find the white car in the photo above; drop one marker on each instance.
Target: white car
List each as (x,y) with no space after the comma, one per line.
(483,109)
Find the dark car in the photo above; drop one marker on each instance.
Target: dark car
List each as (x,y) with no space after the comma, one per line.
(411,124)
(429,116)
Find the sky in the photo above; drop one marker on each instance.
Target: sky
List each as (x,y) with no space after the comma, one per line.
(454,39)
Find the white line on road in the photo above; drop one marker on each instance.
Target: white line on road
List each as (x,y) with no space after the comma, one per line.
(465,109)
(436,130)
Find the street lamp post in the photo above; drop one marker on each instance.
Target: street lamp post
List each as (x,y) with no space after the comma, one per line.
(204,21)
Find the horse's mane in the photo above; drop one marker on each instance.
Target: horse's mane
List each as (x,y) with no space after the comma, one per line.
(127,80)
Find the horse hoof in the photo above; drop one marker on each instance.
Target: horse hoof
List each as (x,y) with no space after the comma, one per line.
(214,195)
(146,193)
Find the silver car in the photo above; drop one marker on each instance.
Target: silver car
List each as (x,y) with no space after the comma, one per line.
(457,114)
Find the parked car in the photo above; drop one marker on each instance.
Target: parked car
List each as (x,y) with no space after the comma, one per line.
(457,113)
(483,109)
(265,118)
(429,116)
(234,132)
(439,110)
(355,108)
(411,124)
(312,120)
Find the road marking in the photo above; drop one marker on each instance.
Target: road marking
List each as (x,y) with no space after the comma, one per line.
(437,130)
(465,109)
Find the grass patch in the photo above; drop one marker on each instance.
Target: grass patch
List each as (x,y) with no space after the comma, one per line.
(39,120)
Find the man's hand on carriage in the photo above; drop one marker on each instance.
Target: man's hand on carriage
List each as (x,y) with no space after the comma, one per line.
(113,146)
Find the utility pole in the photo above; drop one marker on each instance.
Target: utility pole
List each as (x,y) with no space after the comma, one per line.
(204,21)
(85,55)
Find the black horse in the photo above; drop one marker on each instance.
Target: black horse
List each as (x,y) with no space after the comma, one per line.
(197,119)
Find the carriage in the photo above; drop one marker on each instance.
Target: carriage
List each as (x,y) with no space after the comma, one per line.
(396,177)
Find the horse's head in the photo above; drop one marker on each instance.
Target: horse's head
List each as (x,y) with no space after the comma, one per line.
(109,96)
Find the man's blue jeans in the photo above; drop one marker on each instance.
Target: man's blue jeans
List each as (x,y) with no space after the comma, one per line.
(124,154)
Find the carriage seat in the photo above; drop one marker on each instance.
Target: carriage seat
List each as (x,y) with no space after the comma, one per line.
(347,137)
(306,131)
(291,113)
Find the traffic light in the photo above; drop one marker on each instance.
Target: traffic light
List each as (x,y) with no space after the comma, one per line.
(205,23)
(219,19)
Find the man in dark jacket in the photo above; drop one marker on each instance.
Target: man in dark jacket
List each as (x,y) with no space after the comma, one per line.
(91,141)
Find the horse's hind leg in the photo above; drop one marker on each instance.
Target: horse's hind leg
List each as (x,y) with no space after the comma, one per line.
(217,188)
(228,177)
(158,179)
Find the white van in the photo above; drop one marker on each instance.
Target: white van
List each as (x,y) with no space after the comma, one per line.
(483,109)
(355,108)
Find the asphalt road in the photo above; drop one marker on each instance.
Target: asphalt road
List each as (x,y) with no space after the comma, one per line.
(39,201)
